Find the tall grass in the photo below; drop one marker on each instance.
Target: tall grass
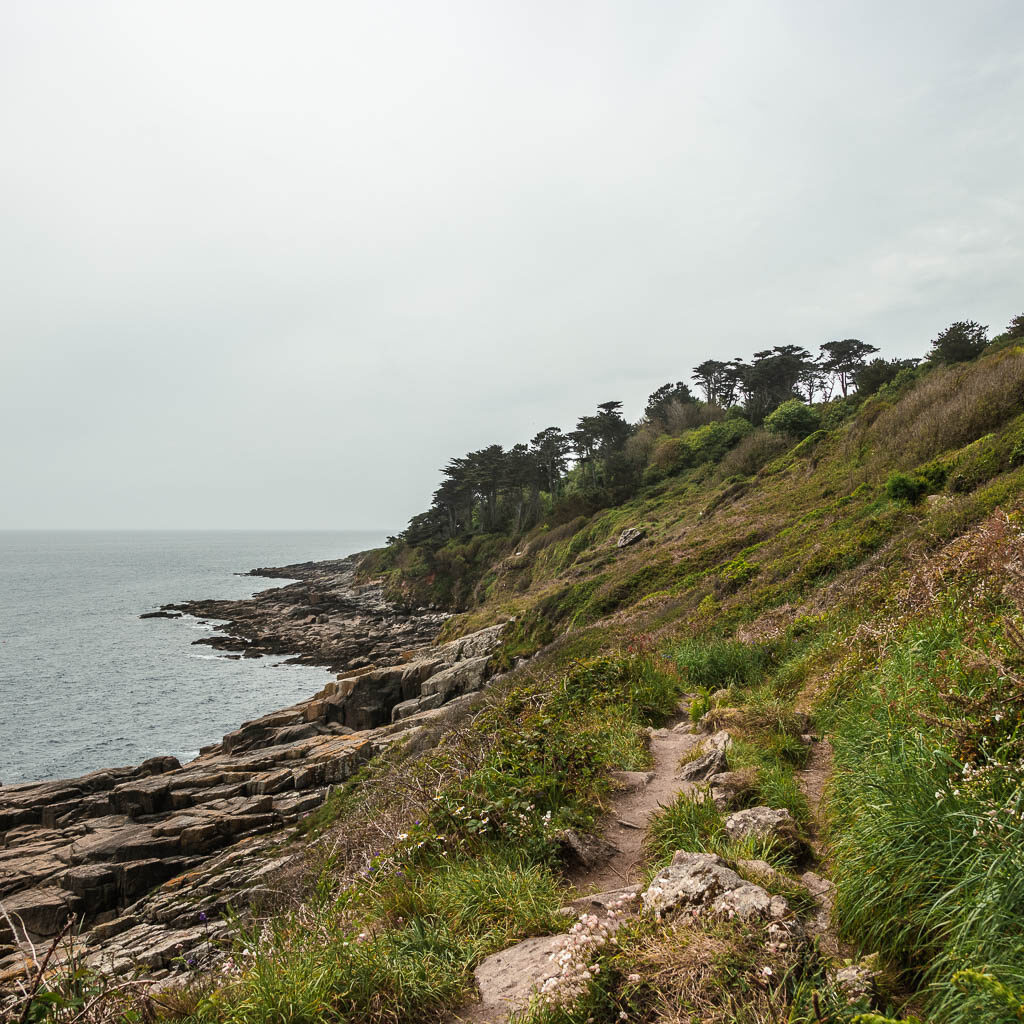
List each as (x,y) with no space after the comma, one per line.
(930,859)
(710,664)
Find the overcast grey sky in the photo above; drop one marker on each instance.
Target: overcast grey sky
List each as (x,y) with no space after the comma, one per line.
(269,265)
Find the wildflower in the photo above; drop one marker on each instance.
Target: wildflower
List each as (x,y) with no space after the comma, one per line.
(202,916)
(633,979)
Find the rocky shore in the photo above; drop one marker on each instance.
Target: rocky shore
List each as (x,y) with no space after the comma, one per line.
(147,857)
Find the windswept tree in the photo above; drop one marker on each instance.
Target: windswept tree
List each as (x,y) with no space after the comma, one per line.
(959,343)
(814,380)
(667,395)
(710,378)
(1015,329)
(842,359)
(771,379)
(878,372)
(551,448)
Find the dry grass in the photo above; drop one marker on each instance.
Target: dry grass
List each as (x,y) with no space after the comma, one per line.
(948,409)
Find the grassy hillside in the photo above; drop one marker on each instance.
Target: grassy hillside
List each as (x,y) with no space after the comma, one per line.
(865,583)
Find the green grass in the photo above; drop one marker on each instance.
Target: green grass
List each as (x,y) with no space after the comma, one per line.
(930,863)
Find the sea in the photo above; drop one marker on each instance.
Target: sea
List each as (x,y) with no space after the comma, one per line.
(86,684)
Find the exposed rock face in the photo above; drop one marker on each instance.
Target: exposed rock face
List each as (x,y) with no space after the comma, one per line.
(140,853)
(630,536)
(324,619)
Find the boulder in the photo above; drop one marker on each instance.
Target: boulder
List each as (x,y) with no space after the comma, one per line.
(714,762)
(727,788)
(769,823)
(582,850)
(480,644)
(462,677)
(630,535)
(692,880)
(858,981)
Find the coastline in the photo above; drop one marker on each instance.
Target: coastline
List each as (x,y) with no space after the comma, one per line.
(136,854)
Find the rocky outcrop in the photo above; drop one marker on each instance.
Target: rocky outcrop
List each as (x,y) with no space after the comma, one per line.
(631,535)
(691,880)
(326,618)
(147,857)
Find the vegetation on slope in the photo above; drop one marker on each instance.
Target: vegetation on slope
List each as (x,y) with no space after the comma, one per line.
(869,575)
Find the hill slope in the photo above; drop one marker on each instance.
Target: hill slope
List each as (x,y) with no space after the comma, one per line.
(848,613)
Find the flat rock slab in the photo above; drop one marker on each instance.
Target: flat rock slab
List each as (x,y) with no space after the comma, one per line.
(507,979)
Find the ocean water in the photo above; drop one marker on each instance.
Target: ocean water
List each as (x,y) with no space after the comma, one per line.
(86,684)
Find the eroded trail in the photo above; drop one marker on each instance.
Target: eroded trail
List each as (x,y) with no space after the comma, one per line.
(506,979)
(643,794)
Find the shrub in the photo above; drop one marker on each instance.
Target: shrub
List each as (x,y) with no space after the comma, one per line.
(705,444)
(904,487)
(752,453)
(793,417)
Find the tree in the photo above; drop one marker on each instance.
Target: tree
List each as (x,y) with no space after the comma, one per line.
(1015,329)
(771,379)
(843,358)
(550,447)
(873,375)
(660,400)
(959,343)
(710,377)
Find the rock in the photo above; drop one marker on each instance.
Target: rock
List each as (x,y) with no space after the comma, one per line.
(766,823)
(462,677)
(414,706)
(601,900)
(582,850)
(632,782)
(721,740)
(481,644)
(629,536)
(858,981)
(786,935)
(747,902)
(714,762)
(42,912)
(506,980)
(691,880)
(727,788)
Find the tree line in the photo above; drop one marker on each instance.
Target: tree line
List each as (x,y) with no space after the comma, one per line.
(495,489)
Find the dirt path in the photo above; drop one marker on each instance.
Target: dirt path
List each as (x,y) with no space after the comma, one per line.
(633,808)
(506,979)
(812,781)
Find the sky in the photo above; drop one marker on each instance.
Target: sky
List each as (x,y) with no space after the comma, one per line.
(270,265)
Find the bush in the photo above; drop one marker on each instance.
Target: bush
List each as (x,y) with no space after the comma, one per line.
(752,453)
(904,487)
(709,443)
(959,343)
(793,417)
